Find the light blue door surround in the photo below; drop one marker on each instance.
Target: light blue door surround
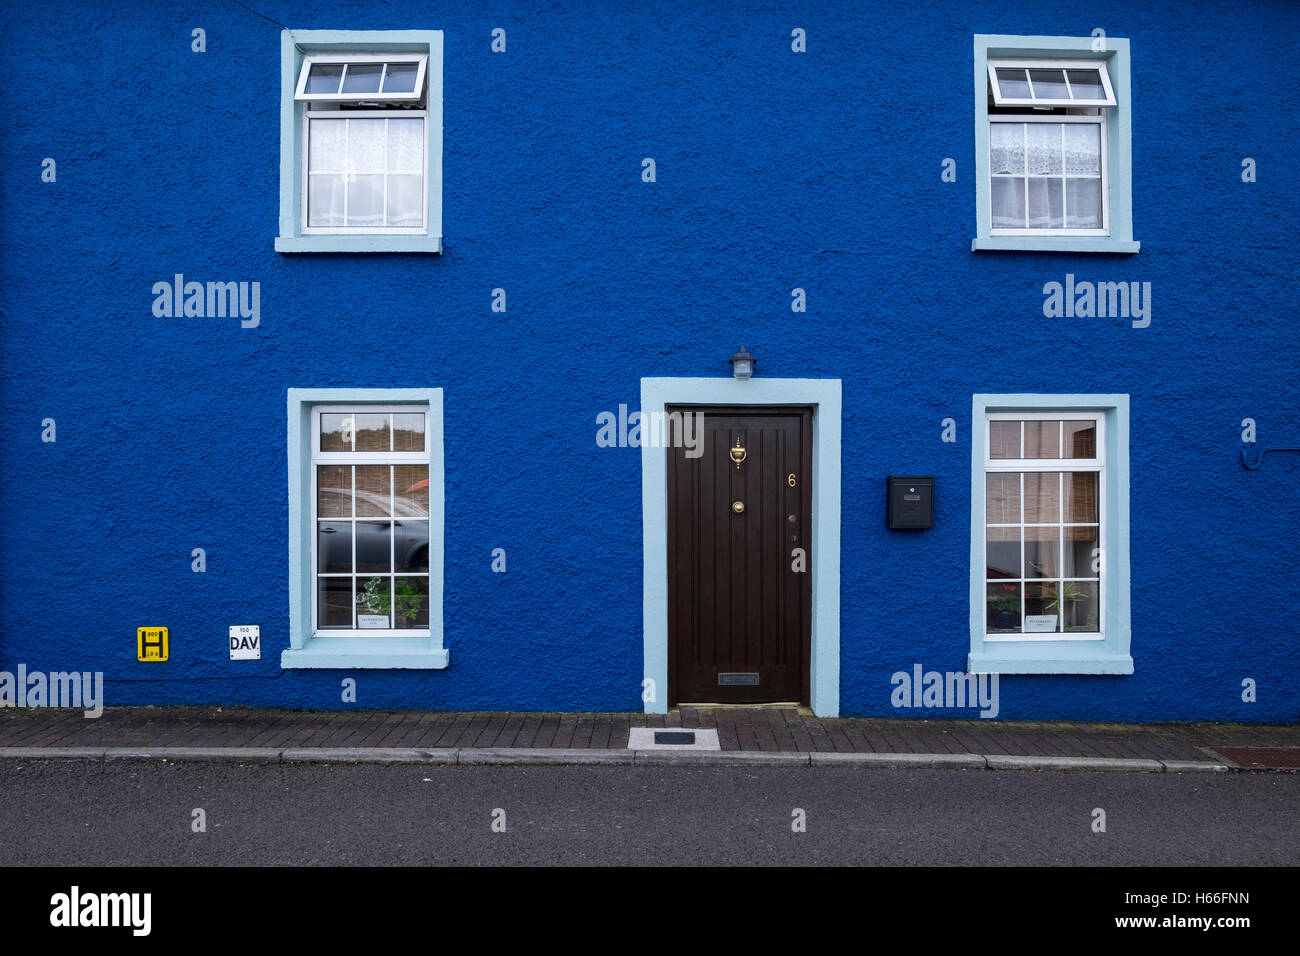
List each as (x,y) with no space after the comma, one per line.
(825,397)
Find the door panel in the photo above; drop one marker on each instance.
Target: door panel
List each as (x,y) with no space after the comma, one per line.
(739,613)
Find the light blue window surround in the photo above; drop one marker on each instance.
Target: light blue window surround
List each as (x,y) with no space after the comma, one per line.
(294,45)
(1111,654)
(1118,140)
(306,649)
(825,397)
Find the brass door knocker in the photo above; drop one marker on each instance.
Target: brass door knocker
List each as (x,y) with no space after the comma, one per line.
(738,453)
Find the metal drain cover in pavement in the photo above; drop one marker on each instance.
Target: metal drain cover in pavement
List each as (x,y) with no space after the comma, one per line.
(1262,758)
(674,737)
(653,738)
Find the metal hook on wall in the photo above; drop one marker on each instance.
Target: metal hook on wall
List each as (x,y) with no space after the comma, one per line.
(1259,458)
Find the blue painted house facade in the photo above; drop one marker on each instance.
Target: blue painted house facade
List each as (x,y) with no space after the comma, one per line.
(405,337)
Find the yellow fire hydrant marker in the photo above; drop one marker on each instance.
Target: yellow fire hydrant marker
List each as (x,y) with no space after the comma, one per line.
(151,643)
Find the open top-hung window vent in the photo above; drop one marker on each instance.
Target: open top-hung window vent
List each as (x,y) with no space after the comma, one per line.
(394,79)
(1044,83)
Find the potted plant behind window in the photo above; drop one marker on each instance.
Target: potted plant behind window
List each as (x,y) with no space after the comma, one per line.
(378,599)
(1064,602)
(1006,608)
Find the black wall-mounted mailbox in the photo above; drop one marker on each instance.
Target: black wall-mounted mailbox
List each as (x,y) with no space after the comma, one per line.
(911,502)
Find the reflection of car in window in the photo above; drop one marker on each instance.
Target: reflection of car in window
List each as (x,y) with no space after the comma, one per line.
(410,538)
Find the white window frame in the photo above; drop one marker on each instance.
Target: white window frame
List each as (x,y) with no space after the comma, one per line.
(1017,120)
(1096,464)
(421,59)
(305,174)
(319,457)
(1098,65)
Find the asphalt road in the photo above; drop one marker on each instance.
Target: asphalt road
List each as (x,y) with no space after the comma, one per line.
(141,812)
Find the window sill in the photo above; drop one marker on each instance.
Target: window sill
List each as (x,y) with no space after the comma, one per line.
(1058,657)
(368,243)
(366,652)
(1055,244)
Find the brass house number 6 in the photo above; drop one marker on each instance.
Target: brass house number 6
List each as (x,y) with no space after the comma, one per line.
(791,480)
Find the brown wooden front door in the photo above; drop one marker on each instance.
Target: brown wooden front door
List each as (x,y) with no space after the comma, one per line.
(739,610)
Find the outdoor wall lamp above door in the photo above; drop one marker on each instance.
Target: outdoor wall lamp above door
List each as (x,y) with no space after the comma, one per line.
(742,363)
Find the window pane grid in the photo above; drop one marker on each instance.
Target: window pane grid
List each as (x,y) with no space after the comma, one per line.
(360,78)
(340,432)
(1021,445)
(335,190)
(1077,161)
(372,523)
(1050,84)
(1041,570)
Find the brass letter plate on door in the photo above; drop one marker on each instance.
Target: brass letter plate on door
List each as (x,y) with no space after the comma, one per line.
(738,677)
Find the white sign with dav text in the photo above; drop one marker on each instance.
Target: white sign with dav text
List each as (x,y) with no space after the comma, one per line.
(245,642)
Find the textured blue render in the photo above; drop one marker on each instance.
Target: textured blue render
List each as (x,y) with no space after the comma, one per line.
(775,170)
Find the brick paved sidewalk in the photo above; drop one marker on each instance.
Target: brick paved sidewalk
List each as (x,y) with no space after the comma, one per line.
(744,729)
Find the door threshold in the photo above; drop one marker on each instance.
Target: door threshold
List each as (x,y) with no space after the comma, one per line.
(781,704)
